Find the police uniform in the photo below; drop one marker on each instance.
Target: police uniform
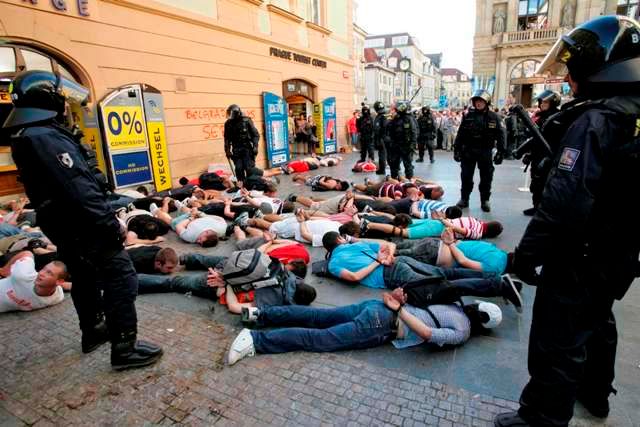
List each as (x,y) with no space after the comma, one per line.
(403,134)
(241,140)
(364,124)
(380,137)
(72,210)
(586,262)
(427,134)
(479,133)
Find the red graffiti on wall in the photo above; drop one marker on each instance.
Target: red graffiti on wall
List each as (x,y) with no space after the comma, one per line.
(216,114)
(213,131)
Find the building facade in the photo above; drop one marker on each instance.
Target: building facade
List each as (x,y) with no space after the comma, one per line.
(414,71)
(380,83)
(513,36)
(359,80)
(457,87)
(195,56)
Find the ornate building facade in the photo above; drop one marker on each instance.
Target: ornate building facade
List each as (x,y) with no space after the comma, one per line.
(513,36)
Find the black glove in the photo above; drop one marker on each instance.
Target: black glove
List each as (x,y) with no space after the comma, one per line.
(457,156)
(497,159)
(255,150)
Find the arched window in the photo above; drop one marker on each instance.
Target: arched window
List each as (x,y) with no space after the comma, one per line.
(525,69)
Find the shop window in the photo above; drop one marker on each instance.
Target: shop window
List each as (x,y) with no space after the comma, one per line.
(7,60)
(36,61)
(627,8)
(532,14)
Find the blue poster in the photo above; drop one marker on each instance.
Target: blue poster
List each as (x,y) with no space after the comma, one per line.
(276,129)
(329,125)
(131,168)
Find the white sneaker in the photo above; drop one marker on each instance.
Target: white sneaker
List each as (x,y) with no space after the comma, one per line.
(241,347)
(153,208)
(250,314)
(179,205)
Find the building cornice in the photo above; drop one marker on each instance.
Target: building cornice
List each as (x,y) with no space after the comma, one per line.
(284,13)
(318,28)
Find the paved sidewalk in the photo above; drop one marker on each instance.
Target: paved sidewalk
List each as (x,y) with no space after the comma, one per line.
(47,380)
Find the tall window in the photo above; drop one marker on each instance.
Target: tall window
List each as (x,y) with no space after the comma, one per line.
(628,8)
(532,14)
(525,69)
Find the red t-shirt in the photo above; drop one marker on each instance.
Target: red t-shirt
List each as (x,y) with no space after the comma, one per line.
(299,166)
(288,253)
(351,124)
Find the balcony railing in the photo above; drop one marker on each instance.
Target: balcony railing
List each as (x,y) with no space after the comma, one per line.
(531,35)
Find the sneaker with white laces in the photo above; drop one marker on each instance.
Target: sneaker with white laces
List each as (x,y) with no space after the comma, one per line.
(242,219)
(153,208)
(250,314)
(178,204)
(121,212)
(241,347)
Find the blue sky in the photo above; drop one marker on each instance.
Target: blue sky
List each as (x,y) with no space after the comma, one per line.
(440,25)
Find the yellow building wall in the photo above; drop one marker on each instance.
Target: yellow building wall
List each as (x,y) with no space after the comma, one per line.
(222,60)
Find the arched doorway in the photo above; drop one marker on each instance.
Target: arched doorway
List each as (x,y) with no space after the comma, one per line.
(300,96)
(524,83)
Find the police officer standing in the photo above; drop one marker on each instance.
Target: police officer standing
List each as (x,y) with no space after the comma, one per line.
(548,103)
(380,136)
(427,134)
(403,134)
(480,132)
(364,124)
(586,262)
(73,212)
(241,140)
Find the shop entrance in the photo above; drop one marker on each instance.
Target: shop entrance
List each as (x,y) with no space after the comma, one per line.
(300,96)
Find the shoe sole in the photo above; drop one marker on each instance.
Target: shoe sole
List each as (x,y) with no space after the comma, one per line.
(517,294)
(93,347)
(137,365)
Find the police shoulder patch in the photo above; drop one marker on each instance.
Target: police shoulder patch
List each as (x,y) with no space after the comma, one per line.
(65,160)
(568,159)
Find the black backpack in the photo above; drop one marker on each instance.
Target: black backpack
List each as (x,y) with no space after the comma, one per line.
(431,291)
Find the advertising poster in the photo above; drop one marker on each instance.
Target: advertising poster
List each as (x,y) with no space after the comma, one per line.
(329,126)
(154,112)
(276,129)
(131,168)
(318,120)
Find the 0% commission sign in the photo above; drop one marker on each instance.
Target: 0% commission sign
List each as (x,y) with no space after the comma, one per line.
(124,128)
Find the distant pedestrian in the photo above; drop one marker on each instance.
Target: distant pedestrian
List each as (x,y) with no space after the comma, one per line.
(353,130)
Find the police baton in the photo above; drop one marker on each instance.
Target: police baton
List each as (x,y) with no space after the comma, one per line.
(233,170)
(519,111)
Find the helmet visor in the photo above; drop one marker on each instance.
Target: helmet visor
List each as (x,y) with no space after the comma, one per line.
(555,63)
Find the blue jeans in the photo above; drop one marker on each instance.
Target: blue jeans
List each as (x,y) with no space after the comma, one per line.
(470,282)
(364,325)
(8,230)
(193,261)
(180,283)
(117,201)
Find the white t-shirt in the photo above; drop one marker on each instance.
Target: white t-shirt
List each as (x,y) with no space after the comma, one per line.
(200,225)
(285,229)
(317,228)
(17,291)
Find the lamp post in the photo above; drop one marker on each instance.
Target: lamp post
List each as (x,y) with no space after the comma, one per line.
(405,66)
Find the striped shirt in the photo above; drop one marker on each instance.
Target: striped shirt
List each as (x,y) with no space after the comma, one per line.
(425,207)
(455,327)
(394,191)
(472,225)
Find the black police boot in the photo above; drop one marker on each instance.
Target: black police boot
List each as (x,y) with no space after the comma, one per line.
(510,419)
(530,211)
(598,406)
(127,352)
(485,206)
(94,337)
(420,160)
(463,203)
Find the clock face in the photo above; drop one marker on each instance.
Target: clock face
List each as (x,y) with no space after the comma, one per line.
(404,64)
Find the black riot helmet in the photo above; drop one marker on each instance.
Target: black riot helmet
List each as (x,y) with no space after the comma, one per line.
(403,107)
(39,96)
(552,97)
(426,110)
(603,50)
(234,111)
(379,107)
(481,94)
(365,110)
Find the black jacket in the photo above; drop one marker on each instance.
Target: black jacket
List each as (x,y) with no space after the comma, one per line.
(426,127)
(240,135)
(480,130)
(364,124)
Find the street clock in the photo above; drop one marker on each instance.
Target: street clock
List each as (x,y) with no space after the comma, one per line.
(405,64)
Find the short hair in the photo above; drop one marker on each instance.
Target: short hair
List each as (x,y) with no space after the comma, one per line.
(298,267)
(150,230)
(350,229)
(493,229)
(143,190)
(453,212)
(477,319)
(210,241)
(64,272)
(304,294)
(402,220)
(344,185)
(330,240)
(166,255)
(288,207)
(270,187)
(183,181)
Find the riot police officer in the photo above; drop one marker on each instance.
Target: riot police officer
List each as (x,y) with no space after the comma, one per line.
(61,186)
(403,134)
(480,132)
(241,140)
(364,124)
(586,262)
(380,136)
(427,134)
(548,103)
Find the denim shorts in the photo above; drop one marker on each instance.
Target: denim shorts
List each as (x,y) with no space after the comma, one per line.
(177,220)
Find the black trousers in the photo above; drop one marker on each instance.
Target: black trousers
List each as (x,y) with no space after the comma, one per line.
(366,149)
(425,144)
(470,158)
(243,161)
(382,159)
(400,156)
(572,346)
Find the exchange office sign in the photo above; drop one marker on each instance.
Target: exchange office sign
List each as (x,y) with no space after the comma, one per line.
(296,57)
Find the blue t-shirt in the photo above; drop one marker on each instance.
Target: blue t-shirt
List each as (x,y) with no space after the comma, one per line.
(492,258)
(352,257)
